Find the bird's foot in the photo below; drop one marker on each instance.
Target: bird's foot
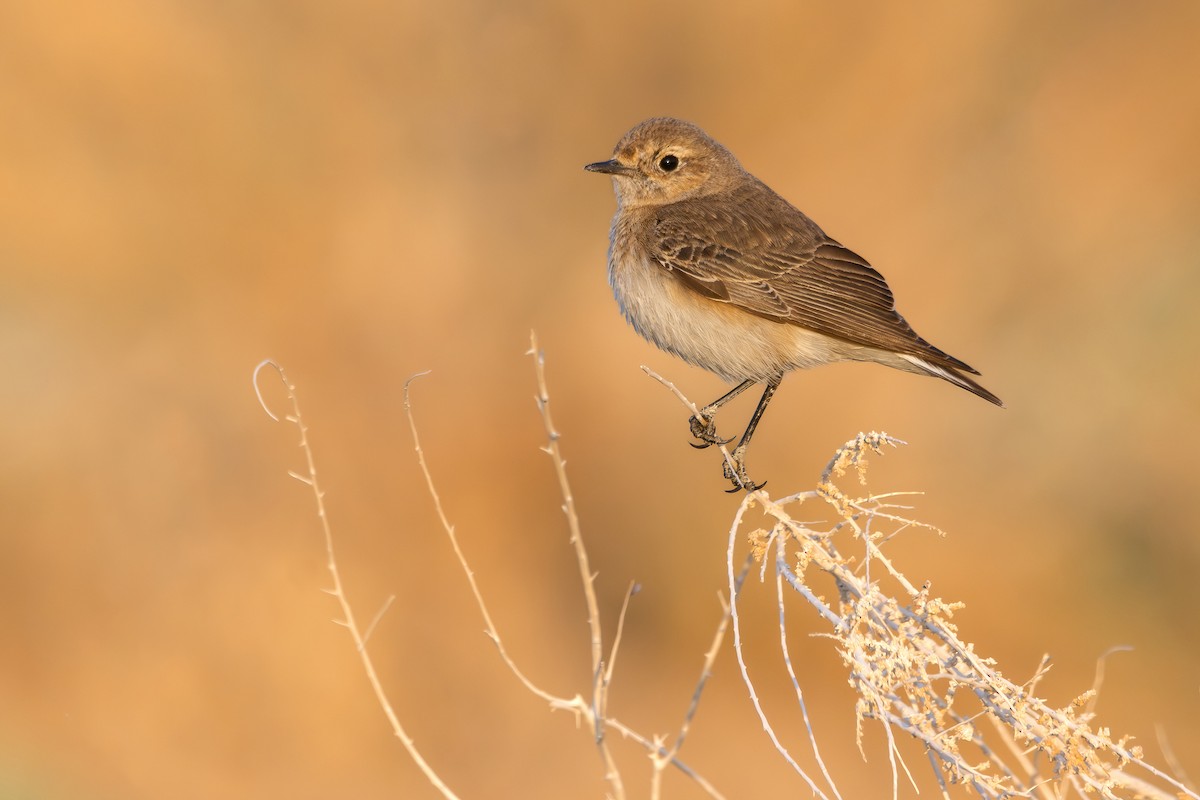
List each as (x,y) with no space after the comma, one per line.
(705,429)
(735,473)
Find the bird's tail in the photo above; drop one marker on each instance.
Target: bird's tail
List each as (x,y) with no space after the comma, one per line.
(953,376)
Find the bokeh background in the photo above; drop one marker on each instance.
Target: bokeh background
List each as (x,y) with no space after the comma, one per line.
(364,190)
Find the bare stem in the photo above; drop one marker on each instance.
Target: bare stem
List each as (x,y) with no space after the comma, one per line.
(360,641)
(587,577)
(493,632)
(590,710)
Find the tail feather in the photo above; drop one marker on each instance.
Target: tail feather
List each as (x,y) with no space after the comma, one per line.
(953,376)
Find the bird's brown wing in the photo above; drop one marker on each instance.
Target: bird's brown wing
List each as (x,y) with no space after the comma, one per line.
(758,252)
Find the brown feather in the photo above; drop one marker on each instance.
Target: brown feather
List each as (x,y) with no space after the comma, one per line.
(765,256)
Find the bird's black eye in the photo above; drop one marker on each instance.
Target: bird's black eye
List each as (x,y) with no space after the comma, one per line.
(668,163)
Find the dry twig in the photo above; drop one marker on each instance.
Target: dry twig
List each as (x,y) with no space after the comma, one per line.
(911,669)
(593,709)
(360,640)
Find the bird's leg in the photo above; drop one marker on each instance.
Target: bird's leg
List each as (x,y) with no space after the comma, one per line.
(737,473)
(703,426)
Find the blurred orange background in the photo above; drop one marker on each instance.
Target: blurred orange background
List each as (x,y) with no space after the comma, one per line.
(366,190)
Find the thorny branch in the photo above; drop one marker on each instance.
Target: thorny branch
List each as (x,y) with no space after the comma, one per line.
(912,670)
(309,478)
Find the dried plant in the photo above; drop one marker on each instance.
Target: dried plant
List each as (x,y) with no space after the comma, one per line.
(913,673)
(591,707)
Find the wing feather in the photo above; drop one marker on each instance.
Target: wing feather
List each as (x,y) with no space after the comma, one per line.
(771,260)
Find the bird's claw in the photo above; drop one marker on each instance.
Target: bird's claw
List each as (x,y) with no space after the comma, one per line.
(735,473)
(704,429)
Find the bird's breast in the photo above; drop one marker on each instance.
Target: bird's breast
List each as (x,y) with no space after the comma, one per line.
(715,335)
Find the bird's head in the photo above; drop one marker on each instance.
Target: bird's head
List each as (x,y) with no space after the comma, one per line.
(665,160)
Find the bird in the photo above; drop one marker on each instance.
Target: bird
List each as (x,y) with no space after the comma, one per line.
(708,263)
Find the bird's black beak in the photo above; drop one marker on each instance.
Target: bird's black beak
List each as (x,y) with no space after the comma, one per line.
(611,167)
